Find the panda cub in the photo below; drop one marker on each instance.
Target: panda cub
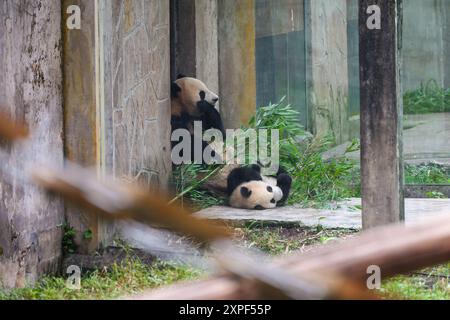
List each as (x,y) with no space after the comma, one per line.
(248,189)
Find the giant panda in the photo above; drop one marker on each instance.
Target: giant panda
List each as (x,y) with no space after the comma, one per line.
(248,189)
(193,101)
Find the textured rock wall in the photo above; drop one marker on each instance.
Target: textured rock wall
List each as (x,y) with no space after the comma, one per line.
(136,53)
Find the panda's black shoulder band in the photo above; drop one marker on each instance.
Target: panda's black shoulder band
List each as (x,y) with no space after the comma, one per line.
(174,89)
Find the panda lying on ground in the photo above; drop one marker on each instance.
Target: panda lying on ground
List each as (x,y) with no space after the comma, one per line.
(248,189)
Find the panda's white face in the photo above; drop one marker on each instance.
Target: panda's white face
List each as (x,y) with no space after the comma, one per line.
(194,91)
(257,195)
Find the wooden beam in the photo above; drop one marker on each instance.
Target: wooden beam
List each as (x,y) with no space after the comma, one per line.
(80,111)
(381,113)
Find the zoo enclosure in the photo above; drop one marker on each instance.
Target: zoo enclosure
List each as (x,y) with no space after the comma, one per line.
(108,105)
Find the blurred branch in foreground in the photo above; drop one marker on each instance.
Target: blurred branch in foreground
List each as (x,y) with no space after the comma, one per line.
(10,130)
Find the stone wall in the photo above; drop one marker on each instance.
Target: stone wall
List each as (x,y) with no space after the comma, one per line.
(135,96)
(30,91)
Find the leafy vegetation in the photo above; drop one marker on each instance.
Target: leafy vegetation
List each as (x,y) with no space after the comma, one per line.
(429,98)
(129,277)
(430,173)
(276,240)
(416,288)
(315,180)
(189,187)
(429,284)
(68,240)
(435,195)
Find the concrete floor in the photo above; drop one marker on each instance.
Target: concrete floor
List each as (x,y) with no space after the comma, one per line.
(345,215)
(426,138)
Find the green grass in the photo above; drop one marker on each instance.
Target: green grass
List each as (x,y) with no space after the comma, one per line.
(416,288)
(428,284)
(131,276)
(430,173)
(429,98)
(276,240)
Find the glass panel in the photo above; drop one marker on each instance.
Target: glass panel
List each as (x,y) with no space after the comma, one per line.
(353,63)
(426,88)
(308,51)
(280,54)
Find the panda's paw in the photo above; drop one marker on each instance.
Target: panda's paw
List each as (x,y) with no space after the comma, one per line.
(284,180)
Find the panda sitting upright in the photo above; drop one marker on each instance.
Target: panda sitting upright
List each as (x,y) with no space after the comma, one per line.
(248,189)
(193,101)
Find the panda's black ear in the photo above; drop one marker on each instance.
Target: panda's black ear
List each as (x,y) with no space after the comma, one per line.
(174,89)
(245,192)
(180,75)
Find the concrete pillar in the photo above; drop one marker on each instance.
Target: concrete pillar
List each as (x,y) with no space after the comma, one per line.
(30,91)
(381,113)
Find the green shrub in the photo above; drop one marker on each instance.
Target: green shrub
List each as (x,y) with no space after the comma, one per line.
(188,186)
(429,98)
(430,173)
(315,180)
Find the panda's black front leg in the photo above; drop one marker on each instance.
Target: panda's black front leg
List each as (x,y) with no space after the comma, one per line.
(211,118)
(284,182)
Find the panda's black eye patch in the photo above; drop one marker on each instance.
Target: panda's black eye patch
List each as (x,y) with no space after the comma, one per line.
(202,95)
(269,188)
(273,200)
(245,192)
(259,207)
